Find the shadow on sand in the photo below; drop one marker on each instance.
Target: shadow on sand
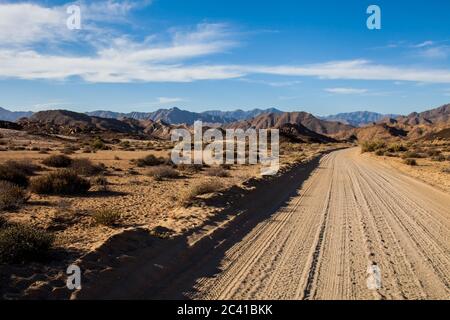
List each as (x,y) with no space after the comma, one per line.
(137,265)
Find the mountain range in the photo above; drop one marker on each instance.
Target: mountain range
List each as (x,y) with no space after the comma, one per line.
(358,118)
(302,126)
(178,116)
(7,115)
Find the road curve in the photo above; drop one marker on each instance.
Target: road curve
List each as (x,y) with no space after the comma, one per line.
(352,218)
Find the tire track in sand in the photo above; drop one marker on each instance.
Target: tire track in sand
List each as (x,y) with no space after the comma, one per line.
(351,213)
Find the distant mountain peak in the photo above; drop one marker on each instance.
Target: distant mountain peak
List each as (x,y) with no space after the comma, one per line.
(358,118)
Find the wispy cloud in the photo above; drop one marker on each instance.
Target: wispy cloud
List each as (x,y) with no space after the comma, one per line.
(423,44)
(119,58)
(167,100)
(358,70)
(276,84)
(346,90)
(440,52)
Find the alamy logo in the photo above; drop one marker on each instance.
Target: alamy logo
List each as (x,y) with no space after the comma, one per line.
(230,146)
(374,279)
(73,277)
(374,20)
(74,20)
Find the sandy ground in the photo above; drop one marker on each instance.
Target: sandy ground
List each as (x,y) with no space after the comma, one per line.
(141,201)
(429,171)
(352,214)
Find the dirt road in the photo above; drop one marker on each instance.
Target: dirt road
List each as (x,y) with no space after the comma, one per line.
(352,218)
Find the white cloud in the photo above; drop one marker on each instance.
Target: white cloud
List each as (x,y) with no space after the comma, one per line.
(26,23)
(441,52)
(357,70)
(120,59)
(346,90)
(167,100)
(276,84)
(423,44)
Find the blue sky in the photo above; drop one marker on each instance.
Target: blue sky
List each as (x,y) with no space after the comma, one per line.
(201,54)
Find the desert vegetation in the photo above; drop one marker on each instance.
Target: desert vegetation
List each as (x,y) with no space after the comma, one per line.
(61,182)
(424,159)
(21,243)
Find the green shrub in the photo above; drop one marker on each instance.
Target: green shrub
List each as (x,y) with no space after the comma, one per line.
(13,174)
(61,182)
(57,161)
(11,196)
(410,162)
(21,243)
(162,172)
(106,217)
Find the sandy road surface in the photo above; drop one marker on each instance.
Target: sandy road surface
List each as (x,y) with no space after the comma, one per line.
(353,213)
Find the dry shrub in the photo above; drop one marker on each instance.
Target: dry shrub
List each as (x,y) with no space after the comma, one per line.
(190,168)
(217,172)
(11,196)
(57,161)
(69,149)
(197,189)
(61,182)
(438,158)
(11,173)
(149,161)
(371,146)
(162,232)
(163,172)
(397,147)
(433,153)
(106,217)
(3,222)
(99,144)
(412,154)
(100,181)
(21,243)
(85,167)
(410,162)
(25,166)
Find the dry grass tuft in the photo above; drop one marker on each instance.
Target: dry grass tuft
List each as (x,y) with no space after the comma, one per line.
(217,172)
(11,196)
(410,162)
(197,189)
(106,217)
(162,172)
